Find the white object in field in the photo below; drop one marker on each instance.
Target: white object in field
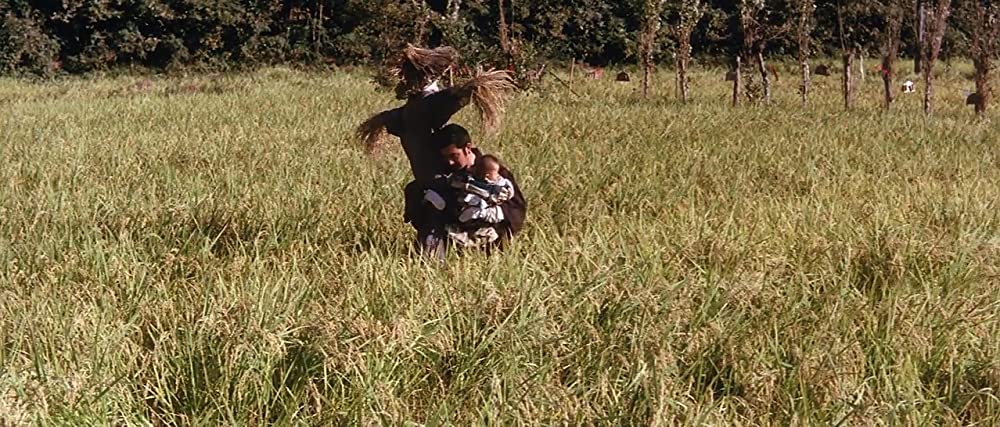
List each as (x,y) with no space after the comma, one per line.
(908,87)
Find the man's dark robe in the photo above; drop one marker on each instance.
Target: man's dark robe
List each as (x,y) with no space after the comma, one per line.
(415,123)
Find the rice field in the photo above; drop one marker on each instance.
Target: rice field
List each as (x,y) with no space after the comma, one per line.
(218,250)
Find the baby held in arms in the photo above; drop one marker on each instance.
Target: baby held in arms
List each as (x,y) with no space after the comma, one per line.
(479,199)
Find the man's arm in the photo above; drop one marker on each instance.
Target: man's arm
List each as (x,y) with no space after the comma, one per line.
(494,193)
(516,208)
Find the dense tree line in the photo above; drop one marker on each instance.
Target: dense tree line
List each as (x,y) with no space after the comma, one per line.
(47,36)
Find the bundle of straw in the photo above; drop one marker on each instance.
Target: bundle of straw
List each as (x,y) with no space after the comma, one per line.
(417,67)
(373,132)
(490,91)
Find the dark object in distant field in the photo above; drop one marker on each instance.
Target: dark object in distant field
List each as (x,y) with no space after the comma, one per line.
(973,99)
(622,77)
(593,73)
(822,70)
(731,76)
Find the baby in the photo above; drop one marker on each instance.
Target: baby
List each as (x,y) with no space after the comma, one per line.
(480,197)
(485,193)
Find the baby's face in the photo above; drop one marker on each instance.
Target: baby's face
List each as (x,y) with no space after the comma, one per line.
(491,172)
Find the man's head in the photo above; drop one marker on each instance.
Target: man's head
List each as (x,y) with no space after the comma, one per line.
(455,145)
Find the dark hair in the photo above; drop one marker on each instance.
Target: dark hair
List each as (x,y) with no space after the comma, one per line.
(490,158)
(485,160)
(452,134)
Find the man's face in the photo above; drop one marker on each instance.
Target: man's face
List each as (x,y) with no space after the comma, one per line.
(458,158)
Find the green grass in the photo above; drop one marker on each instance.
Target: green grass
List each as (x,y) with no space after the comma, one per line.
(217,250)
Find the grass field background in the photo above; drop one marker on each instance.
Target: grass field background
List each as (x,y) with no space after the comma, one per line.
(216,249)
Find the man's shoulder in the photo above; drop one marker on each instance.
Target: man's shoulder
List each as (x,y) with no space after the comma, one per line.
(506,173)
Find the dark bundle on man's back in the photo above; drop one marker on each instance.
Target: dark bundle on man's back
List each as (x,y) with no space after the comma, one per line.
(418,67)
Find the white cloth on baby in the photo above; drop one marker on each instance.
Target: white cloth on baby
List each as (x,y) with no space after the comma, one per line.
(478,208)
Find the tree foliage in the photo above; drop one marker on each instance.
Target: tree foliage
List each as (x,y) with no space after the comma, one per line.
(42,36)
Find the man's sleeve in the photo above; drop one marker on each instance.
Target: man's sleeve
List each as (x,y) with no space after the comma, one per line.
(421,214)
(515,209)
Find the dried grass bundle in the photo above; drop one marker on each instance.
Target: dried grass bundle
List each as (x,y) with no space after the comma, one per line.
(431,63)
(417,67)
(490,90)
(373,132)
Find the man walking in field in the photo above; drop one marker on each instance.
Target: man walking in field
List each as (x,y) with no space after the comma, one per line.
(426,110)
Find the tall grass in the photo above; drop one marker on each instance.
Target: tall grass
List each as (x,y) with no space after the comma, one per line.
(216,250)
